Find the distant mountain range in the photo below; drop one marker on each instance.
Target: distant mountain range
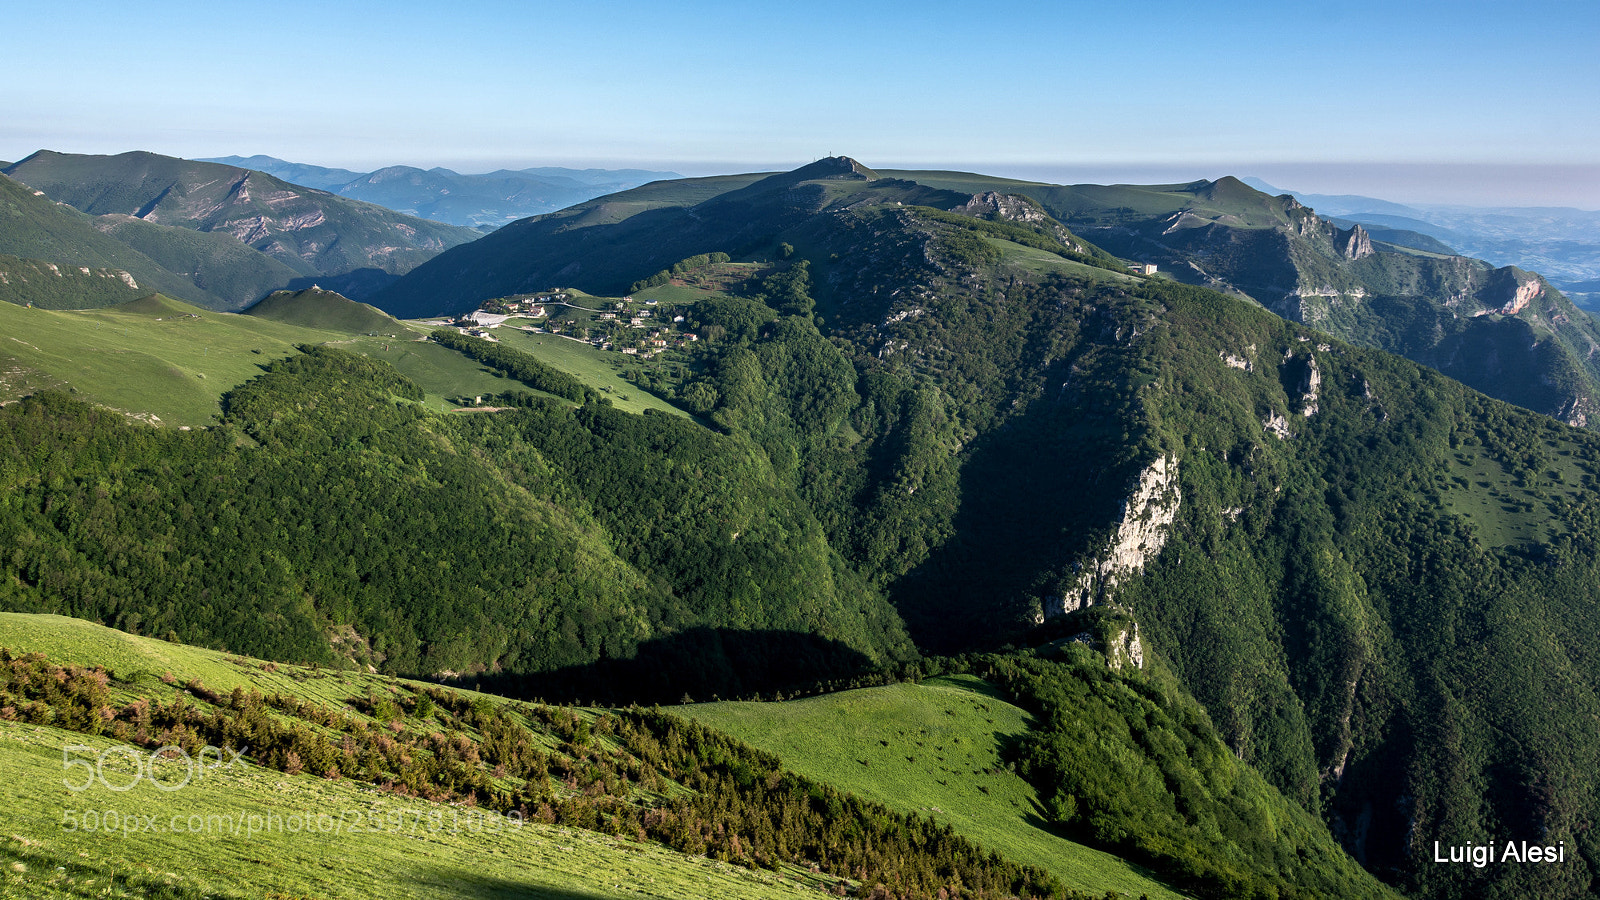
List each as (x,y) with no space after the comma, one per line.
(1562,243)
(220,236)
(476,201)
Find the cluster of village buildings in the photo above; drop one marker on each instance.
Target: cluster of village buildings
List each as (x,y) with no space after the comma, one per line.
(654,335)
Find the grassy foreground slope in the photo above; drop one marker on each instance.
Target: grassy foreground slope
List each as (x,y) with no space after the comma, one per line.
(63,843)
(634,781)
(383,845)
(933,748)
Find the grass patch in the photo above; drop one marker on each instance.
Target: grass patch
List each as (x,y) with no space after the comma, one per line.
(933,749)
(596,368)
(199,844)
(169,363)
(131,657)
(1014,256)
(444,375)
(1512,507)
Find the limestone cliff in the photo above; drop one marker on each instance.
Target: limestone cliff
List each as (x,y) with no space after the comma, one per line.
(1147,514)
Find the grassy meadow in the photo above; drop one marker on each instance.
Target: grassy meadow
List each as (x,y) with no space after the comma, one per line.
(173,362)
(934,749)
(195,841)
(596,368)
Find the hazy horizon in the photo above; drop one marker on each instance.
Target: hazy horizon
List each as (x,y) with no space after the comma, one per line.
(1449,184)
(1468,102)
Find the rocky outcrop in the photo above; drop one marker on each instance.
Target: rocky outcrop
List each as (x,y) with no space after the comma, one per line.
(995,205)
(1310,387)
(1125,648)
(1353,244)
(1116,637)
(1276,424)
(1238,362)
(1525,293)
(1147,514)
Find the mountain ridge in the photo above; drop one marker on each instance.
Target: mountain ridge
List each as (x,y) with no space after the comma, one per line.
(483,201)
(313,232)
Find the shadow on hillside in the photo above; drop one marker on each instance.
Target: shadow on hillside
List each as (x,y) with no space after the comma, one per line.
(699,663)
(473,886)
(1035,494)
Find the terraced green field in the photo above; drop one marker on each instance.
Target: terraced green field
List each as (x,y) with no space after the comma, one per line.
(934,749)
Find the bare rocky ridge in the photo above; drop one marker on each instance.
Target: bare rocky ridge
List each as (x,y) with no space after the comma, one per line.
(1018,208)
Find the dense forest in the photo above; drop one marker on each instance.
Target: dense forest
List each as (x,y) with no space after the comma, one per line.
(328,500)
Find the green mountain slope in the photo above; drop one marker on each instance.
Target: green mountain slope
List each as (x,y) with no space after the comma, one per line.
(34,282)
(1504,331)
(310,231)
(70,689)
(503,544)
(326,310)
(247,822)
(1324,542)
(330,783)
(1147,772)
(170,363)
(217,263)
(458,283)
(870,741)
(606,245)
(375,843)
(44,233)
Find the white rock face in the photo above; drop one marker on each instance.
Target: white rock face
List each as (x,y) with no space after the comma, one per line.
(1278,425)
(1526,293)
(1236,362)
(1311,389)
(1354,244)
(1146,515)
(1126,648)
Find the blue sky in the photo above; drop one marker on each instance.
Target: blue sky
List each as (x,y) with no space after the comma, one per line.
(1498,102)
